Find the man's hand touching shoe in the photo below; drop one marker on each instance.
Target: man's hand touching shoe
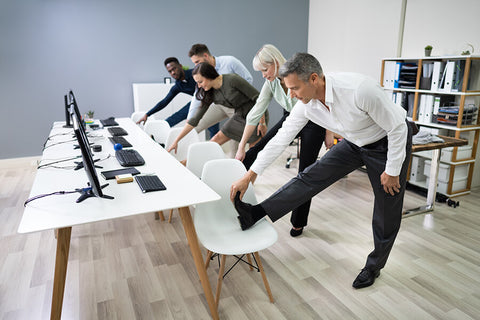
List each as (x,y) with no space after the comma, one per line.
(241,185)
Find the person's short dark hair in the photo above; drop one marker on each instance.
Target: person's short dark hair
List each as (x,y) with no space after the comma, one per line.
(198,49)
(170,60)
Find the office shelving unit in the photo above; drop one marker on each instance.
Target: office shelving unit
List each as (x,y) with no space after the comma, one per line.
(457,164)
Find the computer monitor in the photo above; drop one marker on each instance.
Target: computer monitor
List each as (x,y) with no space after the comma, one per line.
(74,108)
(94,189)
(68,118)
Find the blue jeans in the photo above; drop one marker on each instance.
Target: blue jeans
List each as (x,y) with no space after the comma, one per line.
(181,115)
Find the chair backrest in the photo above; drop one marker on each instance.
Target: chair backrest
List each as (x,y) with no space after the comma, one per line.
(216,222)
(158,129)
(182,148)
(136,116)
(219,175)
(200,153)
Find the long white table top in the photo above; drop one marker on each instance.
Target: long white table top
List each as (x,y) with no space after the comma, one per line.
(58,211)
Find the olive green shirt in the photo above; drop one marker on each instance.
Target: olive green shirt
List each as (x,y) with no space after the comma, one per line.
(235,93)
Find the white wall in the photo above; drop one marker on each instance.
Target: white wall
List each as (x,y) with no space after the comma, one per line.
(352,35)
(446,25)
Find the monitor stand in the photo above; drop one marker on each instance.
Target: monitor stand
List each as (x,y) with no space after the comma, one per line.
(80,164)
(87,192)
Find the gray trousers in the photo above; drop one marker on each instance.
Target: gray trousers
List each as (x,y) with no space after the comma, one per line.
(342,159)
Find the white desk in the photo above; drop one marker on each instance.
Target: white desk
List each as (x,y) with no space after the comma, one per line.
(62,212)
(436,147)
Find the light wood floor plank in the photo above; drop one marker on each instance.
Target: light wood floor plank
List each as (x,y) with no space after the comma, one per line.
(141,268)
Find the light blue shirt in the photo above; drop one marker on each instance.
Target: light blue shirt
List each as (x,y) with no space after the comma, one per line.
(223,65)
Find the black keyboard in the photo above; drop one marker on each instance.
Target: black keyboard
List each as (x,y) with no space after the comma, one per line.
(117,131)
(129,158)
(121,140)
(109,122)
(149,183)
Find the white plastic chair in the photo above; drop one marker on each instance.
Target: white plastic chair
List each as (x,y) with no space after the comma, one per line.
(182,151)
(197,155)
(158,130)
(136,116)
(217,225)
(200,153)
(182,148)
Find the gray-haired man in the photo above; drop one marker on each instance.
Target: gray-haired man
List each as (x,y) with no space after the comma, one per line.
(375,133)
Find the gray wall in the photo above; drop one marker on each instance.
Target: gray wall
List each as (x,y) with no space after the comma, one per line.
(99,48)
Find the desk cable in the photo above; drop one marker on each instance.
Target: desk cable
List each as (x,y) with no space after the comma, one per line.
(40,166)
(49,194)
(55,135)
(51,164)
(57,143)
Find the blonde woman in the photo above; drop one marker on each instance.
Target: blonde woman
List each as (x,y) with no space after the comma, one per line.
(268,60)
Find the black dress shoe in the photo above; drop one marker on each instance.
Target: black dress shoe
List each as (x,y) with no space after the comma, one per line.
(244,212)
(296,232)
(365,278)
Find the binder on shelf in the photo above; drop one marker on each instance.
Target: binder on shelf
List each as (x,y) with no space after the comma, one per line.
(428,108)
(408,101)
(441,81)
(389,73)
(399,99)
(449,71)
(436,106)
(385,74)
(427,69)
(458,75)
(396,75)
(421,109)
(436,74)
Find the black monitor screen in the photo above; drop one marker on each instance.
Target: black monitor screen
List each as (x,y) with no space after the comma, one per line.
(87,158)
(74,107)
(88,164)
(68,118)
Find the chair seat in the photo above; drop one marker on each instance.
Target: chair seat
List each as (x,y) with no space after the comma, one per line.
(217,225)
(228,238)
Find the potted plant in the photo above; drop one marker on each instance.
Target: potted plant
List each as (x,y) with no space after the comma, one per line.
(467,51)
(428,50)
(89,116)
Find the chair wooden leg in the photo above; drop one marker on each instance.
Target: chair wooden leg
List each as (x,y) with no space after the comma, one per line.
(249,259)
(209,257)
(265,281)
(170,216)
(220,279)
(159,215)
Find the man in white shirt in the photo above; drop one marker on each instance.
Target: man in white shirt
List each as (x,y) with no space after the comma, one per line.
(375,134)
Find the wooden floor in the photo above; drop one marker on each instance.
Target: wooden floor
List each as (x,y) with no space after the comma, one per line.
(139,268)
